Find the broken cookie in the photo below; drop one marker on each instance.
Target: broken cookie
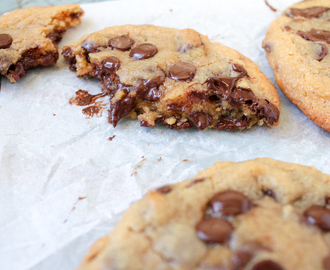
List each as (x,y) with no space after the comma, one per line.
(174,77)
(28,37)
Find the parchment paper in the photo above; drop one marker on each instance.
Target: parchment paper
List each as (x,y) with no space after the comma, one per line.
(63,184)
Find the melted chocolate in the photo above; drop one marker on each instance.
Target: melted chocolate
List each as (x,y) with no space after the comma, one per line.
(202,120)
(121,108)
(267,265)
(182,71)
(241,258)
(233,124)
(31,59)
(57,35)
(91,110)
(143,51)
(312,12)
(90,46)
(326,263)
(149,90)
(215,230)
(5,41)
(123,43)
(315,35)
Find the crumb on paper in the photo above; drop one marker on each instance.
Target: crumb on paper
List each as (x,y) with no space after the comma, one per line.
(111,138)
(185,160)
(138,166)
(160,159)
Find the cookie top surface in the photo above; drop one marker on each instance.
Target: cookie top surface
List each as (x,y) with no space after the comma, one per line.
(28,37)
(169,64)
(297,49)
(257,214)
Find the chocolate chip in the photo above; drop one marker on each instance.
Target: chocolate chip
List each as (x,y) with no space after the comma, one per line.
(216,230)
(5,41)
(57,34)
(312,12)
(315,35)
(233,124)
(90,46)
(123,43)
(326,263)
(182,71)
(230,203)
(109,66)
(240,259)
(201,95)
(318,215)
(143,51)
(120,109)
(242,96)
(269,192)
(323,53)
(202,120)
(267,265)
(164,189)
(149,90)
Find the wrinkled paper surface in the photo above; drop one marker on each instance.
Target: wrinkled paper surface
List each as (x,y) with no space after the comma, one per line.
(63,184)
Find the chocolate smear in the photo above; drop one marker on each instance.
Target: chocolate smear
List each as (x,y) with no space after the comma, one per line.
(83,98)
(122,43)
(143,51)
(323,52)
(273,9)
(182,71)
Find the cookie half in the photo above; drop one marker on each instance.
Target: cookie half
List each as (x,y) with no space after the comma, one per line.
(175,77)
(297,49)
(28,37)
(254,215)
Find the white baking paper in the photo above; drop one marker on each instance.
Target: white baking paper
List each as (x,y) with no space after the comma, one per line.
(63,184)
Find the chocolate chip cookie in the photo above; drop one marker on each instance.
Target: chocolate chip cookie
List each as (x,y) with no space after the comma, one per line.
(174,77)
(28,37)
(260,214)
(297,49)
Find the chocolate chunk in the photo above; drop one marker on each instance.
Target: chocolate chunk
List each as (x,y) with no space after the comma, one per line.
(202,120)
(269,192)
(180,126)
(5,41)
(201,95)
(267,110)
(326,263)
(149,90)
(323,53)
(267,265)
(230,203)
(315,35)
(233,124)
(318,215)
(312,12)
(120,109)
(164,189)
(240,259)
(109,66)
(67,53)
(216,230)
(143,51)
(122,43)
(182,71)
